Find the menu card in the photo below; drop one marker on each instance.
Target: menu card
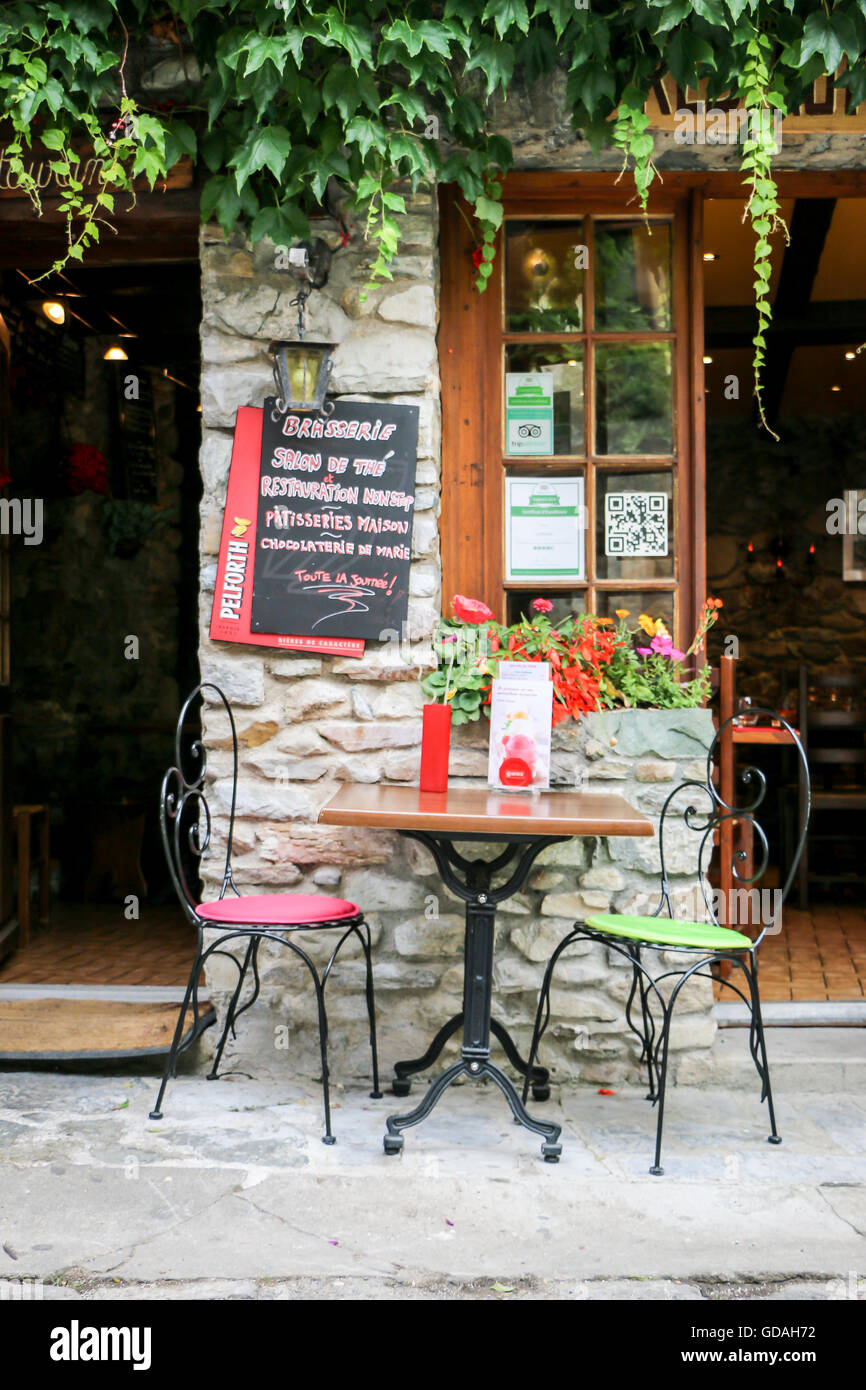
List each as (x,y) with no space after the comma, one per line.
(521,712)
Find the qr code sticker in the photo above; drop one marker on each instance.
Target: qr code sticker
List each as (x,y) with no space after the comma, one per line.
(636,523)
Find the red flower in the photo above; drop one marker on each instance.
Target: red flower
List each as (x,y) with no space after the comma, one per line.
(86,469)
(472,610)
(542,605)
(477,256)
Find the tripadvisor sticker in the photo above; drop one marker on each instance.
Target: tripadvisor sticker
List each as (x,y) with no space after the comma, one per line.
(529,412)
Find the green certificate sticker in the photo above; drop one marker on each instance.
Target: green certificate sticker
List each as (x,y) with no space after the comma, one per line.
(529,412)
(544,528)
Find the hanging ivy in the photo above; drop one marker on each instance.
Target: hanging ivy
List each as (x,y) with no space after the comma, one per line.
(283,101)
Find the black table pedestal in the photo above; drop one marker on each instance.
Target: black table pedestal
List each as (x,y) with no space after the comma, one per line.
(474,886)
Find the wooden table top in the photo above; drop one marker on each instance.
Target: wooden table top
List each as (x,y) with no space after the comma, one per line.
(482,810)
(760,733)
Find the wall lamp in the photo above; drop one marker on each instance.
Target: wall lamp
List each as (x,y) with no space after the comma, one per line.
(302,368)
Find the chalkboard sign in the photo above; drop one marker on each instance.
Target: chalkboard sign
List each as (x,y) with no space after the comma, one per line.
(137,433)
(334,526)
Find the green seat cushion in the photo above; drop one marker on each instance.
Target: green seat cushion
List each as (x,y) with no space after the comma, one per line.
(663,931)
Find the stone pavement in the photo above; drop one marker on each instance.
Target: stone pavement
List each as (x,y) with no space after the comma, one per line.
(233,1195)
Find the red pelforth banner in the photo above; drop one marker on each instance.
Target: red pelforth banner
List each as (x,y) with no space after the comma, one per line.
(233,595)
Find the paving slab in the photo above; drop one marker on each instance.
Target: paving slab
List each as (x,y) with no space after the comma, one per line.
(233,1195)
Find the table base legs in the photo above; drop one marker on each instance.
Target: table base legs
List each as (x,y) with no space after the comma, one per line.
(403,1071)
(475,1068)
(473,881)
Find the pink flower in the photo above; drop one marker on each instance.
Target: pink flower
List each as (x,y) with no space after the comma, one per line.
(662,646)
(542,605)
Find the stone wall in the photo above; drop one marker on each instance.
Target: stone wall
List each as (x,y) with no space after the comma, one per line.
(308,723)
(805,611)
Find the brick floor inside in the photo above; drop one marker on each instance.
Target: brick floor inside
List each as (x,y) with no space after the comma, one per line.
(95,944)
(820,955)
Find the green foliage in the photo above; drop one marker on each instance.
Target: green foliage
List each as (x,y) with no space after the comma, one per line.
(466,667)
(382,99)
(648,672)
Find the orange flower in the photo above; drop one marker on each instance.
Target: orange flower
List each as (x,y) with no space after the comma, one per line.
(621,612)
(648,624)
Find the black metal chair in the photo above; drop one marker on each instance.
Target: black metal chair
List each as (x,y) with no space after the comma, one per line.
(185,821)
(711,940)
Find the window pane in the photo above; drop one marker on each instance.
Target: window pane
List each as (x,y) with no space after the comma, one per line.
(634,399)
(565,605)
(632,276)
(634,525)
(544,277)
(657,603)
(528,429)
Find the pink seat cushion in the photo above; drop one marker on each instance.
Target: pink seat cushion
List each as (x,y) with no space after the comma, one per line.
(277,909)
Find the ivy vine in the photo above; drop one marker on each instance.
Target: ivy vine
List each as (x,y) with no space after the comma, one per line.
(281,102)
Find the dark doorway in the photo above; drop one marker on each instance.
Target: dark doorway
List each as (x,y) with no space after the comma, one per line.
(104,432)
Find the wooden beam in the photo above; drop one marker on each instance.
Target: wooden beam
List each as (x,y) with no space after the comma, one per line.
(810,223)
(161,227)
(713,183)
(827,321)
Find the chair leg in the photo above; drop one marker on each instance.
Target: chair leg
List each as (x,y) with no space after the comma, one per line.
(327,1137)
(171,1060)
(366,943)
(256,987)
(646,1032)
(759,1048)
(657,1170)
(230,1015)
(543,1009)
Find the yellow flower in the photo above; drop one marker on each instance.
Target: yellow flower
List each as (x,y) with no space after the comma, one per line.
(661,630)
(648,624)
(621,612)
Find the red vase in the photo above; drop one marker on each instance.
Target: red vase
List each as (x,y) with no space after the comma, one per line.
(435,741)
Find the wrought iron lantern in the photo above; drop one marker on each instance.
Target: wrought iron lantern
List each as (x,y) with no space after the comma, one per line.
(302,368)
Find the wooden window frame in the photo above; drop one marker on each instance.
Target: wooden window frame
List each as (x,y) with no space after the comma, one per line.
(471,346)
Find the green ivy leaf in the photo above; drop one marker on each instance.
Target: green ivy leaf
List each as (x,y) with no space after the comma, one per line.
(488,211)
(673,13)
(506,13)
(561,13)
(684,55)
(367,135)
(266,148)
(710,10)
(340,89)
(281,224)
(821,34)
(591,85)
(496,61)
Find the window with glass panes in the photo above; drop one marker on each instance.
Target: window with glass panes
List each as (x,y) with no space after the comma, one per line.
(582,367)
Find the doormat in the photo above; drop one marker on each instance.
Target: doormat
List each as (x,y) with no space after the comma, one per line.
(55,1029)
